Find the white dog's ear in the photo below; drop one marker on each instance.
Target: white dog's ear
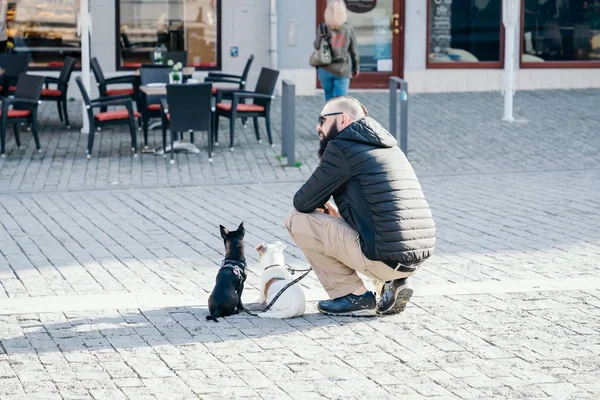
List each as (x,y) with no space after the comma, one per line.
(281,245)
(261,248)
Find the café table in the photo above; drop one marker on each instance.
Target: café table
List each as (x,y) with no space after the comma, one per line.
(186,71)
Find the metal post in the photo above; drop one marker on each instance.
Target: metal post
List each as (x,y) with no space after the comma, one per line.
(85,25)
(288,122)
(404,117)
(393,107)
(510,17)
(402,136)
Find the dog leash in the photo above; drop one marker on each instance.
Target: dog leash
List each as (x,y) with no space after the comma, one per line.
(298,279)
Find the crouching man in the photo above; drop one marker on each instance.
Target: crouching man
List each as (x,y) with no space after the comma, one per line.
(380,225)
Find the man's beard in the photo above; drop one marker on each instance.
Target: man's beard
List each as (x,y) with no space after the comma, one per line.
(326,138)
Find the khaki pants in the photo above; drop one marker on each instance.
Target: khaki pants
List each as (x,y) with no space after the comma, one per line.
(333,249)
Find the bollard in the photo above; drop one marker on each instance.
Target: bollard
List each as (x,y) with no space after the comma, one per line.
(402,136)
(288,121)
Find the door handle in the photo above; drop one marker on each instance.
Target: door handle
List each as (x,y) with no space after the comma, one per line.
(394,23)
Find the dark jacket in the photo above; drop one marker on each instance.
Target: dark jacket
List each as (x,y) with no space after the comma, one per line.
(343,50)
(376,191)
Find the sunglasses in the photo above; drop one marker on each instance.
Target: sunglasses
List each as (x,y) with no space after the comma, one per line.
(322,117)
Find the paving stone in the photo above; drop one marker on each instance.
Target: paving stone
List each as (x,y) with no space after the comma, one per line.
(516,211)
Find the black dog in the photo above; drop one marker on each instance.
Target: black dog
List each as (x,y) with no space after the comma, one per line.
(226,297)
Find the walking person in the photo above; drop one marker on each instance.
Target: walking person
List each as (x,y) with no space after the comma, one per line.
(380,225)
(335,77)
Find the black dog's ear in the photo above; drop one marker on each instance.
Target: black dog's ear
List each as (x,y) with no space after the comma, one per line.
(224,231)
(241,230)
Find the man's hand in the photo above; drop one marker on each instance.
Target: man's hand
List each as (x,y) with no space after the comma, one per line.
(333,210)
(355,74)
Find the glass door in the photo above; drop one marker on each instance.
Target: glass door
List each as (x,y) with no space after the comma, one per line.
(379,28)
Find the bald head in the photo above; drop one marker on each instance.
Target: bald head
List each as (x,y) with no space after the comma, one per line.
(348,105)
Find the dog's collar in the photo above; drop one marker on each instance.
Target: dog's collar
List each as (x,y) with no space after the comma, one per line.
(226,262)
(274,265)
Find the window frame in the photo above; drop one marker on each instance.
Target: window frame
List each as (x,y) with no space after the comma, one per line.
(463,65)
(117,41)
(548,64)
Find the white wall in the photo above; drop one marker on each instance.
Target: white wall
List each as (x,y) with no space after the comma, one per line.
(296,30)
(245,24)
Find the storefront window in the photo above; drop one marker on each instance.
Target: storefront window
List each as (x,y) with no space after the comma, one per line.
(561,31)
(169,25)
(465,31)
(47,29)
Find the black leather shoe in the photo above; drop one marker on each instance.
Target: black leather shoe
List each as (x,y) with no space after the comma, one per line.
(350,305)
(394,296)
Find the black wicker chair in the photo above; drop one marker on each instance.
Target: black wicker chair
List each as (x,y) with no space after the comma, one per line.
(240,80)
(104,118)
(59,94)
(149,105)
(24,109)
(103,83)
(187,108)
(13,64)
(261,106)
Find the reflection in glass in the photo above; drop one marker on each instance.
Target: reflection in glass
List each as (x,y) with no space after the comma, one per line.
(464,30)
(171,25)
(374,36)
(561,30)
(45,28)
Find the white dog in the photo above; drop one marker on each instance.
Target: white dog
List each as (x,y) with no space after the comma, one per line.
(292,303)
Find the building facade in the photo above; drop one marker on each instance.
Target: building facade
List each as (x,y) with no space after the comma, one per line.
(436,45)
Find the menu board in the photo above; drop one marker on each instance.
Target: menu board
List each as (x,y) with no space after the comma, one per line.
(439,34)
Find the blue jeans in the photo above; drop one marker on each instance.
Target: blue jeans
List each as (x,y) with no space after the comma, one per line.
(333,85)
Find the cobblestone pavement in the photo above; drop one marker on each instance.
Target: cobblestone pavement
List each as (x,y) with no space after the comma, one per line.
(449,134)
(103,286)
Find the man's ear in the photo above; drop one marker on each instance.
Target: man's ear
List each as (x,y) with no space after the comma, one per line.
(261,248)
(346,120)
(224,231)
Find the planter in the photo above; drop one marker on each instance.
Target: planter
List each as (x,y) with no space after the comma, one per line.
(175,78)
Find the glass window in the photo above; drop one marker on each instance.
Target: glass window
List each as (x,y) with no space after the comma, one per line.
(45,28)
(561,30)
(373,35)
(465,31)
(169,25)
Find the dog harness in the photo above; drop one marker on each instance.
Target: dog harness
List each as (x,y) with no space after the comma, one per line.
(238,268)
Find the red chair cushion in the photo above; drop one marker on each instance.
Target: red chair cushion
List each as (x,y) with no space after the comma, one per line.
(115,115)
(51,92)
(119,92)
(18,113)
(241,107)
(154,107)
(59,64)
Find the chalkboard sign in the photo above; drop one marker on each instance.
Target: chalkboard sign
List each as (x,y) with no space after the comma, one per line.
(360,6)
(439,33)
